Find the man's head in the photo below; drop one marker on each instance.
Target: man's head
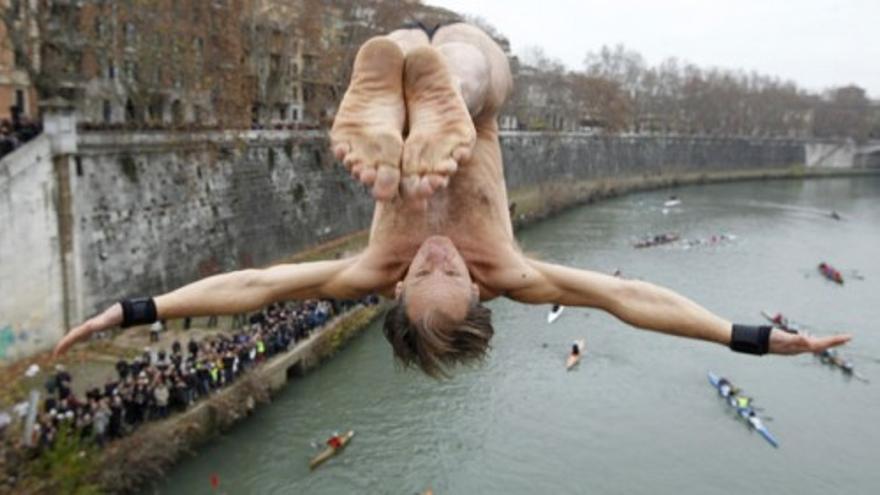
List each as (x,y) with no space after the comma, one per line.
(438,319)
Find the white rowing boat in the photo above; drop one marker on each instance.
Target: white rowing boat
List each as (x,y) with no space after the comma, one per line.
(555,312)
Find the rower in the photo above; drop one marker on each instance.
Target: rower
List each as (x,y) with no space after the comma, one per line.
(743,402)
(575,349)
(335,441)
(754,420)
(779,320)
(726,389)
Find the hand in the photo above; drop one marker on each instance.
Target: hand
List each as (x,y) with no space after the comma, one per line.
(782,342)
(111,317)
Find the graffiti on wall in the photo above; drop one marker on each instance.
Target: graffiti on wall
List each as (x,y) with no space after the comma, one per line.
(7,340)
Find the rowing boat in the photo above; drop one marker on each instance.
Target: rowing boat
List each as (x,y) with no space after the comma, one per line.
(830,273)
(331,451)
(746,413)
(657,240)
(833,359)
(575,359)
(555,313)
(780,321)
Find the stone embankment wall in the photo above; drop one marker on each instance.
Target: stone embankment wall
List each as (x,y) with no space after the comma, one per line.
(151,215)
(149,212)
(537,158)
(31,316)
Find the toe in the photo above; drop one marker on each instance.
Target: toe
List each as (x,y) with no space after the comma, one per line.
(386,183)
(446,167)
(424,189)
(437,181)
(356,171)
(410,185)
(368,176)
(340,150)
(352,161)
(462,153)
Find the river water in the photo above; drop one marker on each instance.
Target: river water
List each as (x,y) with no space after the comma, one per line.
(638,415)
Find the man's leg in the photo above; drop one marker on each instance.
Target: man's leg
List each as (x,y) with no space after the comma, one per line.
(480,68)
(367,133)
(458,82)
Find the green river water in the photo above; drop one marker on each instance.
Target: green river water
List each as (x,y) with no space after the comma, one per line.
(638,415)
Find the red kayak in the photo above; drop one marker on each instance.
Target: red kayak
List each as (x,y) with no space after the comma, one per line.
(830,273)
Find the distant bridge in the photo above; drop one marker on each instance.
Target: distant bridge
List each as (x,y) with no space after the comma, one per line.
(843,154)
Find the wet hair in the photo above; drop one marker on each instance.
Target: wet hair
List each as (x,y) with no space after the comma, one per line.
(437,342)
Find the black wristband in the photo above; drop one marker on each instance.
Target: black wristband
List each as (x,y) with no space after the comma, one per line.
(140,311)
(750,339)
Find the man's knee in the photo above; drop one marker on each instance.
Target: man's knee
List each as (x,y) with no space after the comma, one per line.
(409,39)
(498,80)
(471,70)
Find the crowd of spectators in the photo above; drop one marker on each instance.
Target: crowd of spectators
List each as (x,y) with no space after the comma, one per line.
(16,132)
(161,381)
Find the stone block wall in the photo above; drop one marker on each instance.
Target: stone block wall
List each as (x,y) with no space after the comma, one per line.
(151,216)
(31,283)
(536,158)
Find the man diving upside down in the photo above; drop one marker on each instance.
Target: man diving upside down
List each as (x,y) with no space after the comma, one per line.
(418,127)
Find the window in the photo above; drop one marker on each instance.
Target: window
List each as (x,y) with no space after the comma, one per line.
(130,34)
(131,71)
(282,112)
(111,70)
(130,111)
(294,114)
(20,101)
(199,47)
(108,112)
(100,27)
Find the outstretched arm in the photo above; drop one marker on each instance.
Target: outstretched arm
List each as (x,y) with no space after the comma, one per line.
(644,305)
(246,290)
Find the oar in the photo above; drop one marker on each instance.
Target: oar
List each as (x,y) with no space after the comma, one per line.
(858,376)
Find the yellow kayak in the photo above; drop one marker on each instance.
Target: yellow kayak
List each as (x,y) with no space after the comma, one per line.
(330,451)
(575,359)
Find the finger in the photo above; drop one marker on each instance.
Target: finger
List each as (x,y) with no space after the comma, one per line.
(71,338)
(819,344)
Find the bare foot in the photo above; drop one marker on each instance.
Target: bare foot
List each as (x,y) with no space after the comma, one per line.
(367,131)
(441,133)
